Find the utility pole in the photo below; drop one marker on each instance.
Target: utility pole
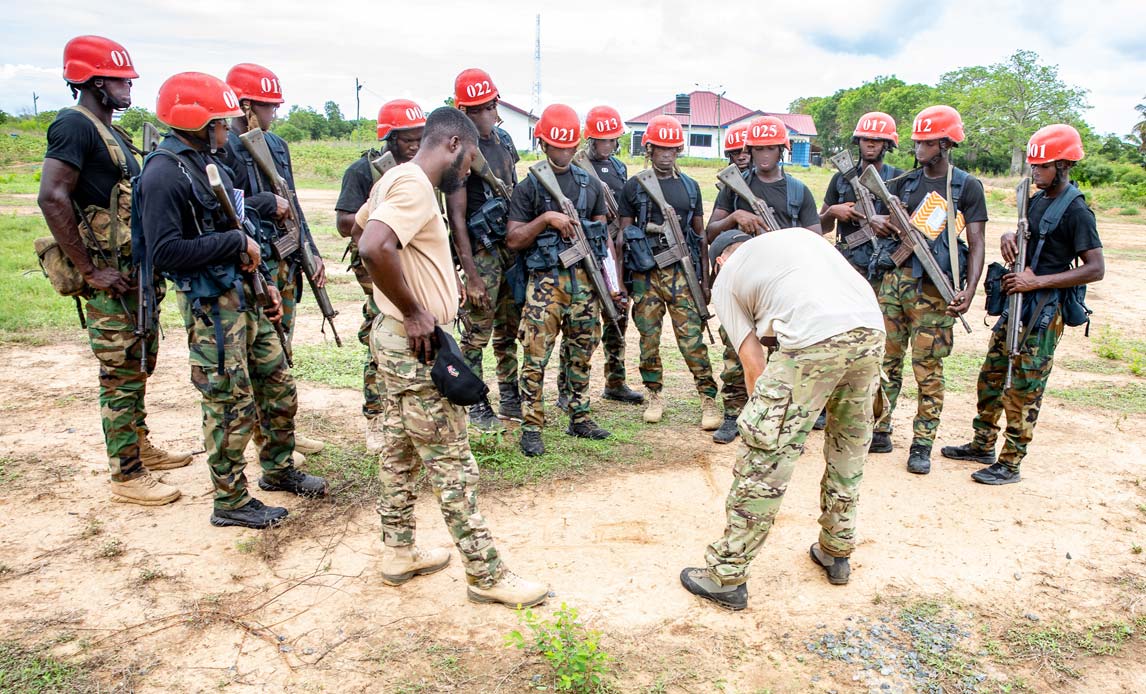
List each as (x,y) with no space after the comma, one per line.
(35,109)
(535,101)
(357,101)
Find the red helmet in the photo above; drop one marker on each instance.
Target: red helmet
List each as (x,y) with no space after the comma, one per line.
(877,125)
(735,138)
(936,123)
(399,114)
(191,100)
(472,87)
(604,123)
(664,131)
(767,130)
(559,126)
(86,57)
(256,83)
(1054,142)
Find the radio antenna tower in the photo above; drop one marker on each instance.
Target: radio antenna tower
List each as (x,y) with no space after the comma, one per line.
(535,104)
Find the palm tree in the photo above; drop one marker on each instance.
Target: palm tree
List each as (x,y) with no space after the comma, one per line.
(1140,127)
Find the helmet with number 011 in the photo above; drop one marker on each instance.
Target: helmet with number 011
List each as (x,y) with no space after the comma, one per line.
(1054,143)
(937,123)
(191,100)
(877,125)
(86,57)
(559,126)
(473,87)
(399,114)
(765,131)
(604,123)
(735,138)
(664,131)
(256,83)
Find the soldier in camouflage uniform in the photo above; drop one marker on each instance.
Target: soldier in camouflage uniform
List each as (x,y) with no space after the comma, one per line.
(85,196)
(829,355)
(1062,229)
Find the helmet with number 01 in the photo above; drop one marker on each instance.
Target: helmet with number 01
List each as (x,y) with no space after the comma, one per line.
(473,87)
(1055,143)
(191,100)
(559,126)
(877,126)
(765,131)
(664,131)
(937,123)
(736,138)
(86,57)
(256,83)
(604,123)
(399,114)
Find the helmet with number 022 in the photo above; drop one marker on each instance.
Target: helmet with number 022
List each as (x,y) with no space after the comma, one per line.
(255,83)
(664,131)
(559,126)
(473,87)
(86,57)
(937,123)
(604,123)
(877,125)
(1054,143)
(735,138)
(191,100)
(399,114)
(766,131)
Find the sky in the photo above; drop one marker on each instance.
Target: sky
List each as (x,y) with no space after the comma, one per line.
(632,54)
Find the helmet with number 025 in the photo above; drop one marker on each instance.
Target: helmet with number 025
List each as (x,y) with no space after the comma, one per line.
(765,131)
(1054,143)
(474,86)
(255,83)
(664,131)
(937,123)
(735,138)
(558,126)
(191,100)
(604,123)
(86,57)
(399,114)
(877,125)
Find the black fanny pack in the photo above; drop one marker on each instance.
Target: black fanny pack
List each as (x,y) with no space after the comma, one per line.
(452,376)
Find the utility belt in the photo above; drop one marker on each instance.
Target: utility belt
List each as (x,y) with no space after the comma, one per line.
(643,245)
(487,226)
(1039,307)
(545,253)
(205,286)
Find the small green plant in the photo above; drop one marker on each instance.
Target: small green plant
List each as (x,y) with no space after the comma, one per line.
(94,527)
(1136,549)
(111,549)
(571,650)
(1128,211)
(247,545)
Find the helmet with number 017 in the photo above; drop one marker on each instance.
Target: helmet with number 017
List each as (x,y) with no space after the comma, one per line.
(399,114)
(877,126)
(1054,143)
(559,126)
(664,131)
(937,123)
(604,123)
(473,87)
(191,100)
(255,83)
(765,131)
(735,138)
(86,57)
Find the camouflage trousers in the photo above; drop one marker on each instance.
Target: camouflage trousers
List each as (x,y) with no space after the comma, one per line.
(371,391)
(842,373)
(239,368)
(733,391)
(558,301)
(500,320)
(914,317)
(613,344)
(288,278)
(1021,402)
(653,293)
(424,429)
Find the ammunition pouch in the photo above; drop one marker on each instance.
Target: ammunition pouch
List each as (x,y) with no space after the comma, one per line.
(993,286)
(487,226)
(209,283)
(544,254)
(596,233)
(1074,309)
(58,268)
(638,250)
(516,276)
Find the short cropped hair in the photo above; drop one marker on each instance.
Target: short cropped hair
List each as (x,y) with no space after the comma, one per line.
(446,122)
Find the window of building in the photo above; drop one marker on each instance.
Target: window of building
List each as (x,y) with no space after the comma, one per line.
(700,140)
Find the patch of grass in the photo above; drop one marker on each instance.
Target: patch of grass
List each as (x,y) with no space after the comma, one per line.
(93,527)
(1128,211)
(570,649)
(1120,397)
(350,471)
(33,312)
(34,671)
(330,365)
(150,573)
(1059,647)
(111,549)
(1094,366)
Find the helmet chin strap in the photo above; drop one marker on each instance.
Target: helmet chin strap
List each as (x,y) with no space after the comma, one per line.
(106,99)
(1059,175)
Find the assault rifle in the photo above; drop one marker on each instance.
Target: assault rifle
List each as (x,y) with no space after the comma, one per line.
(1015,301)
(582,159)
(580,251)
(864,201)
(677,245)
(911,237)
(733,177)
(292,240)
(480,168)
(383,162)
(258,282)
(150,138)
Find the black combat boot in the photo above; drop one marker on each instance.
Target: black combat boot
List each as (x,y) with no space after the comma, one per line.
(880,442)
(587,429)
(837,568)
(821,421)
(482,416)
(996,473)
(968,451)
(919,459)
(255,514)
(728,430)
(510,406)
(623,393)
(563,402)
(294,481)
(697,581)
(531,444)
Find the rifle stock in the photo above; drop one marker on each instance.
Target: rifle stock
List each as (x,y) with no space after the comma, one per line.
(383,162)
(732,177)
(480,168)
(866,204)
(582,159)
(150,138)
(1015,301)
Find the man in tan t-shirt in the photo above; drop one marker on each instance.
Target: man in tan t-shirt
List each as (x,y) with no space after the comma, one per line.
(406,248)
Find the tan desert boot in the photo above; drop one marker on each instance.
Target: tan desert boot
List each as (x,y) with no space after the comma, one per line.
(155,459)
(710,416)
(511,590)
(307,445)
(655,409)
(400,564)
(144,490)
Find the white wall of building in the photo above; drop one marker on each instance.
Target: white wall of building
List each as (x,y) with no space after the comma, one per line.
(518,126)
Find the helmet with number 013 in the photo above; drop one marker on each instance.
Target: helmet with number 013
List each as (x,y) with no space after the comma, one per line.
(1054,143)
(86,57)
(559,126)
(765,131)
(473,87)
(735,138)
(256,83)
(191,100)
(664,131)
(877,125)
(399,114)
(604,123)
(937,123)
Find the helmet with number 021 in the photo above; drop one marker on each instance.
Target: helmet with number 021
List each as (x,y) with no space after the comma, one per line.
(474,86)
(86,57)
(1054,143)
(191,100)
(766,131)
(735,138)
(664,131)
(399,114)
(255,83)
(877,125)
(558,126)
(937,123)
(604,123)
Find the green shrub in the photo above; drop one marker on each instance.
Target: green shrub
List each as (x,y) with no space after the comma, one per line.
(579,665)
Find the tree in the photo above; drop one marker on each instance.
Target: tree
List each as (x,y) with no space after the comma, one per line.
(133,119)
(1140,128)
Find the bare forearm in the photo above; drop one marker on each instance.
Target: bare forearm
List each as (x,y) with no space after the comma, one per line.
(344,222)
(976,251)
(61,222)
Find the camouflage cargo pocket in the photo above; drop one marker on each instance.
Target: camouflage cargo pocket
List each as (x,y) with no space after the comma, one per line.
(761,420)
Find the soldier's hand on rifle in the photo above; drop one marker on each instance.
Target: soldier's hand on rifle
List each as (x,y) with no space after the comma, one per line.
(1009,246)
(1024,281)
(282,208)
(274,310)
(621,301)
(254,257)
(113,282)
(319,272)
(960,303)
(748,222)
(562,223)
(846,212)
(881,226)
(420,335)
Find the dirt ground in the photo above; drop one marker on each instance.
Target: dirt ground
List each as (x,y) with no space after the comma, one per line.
(158,600)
